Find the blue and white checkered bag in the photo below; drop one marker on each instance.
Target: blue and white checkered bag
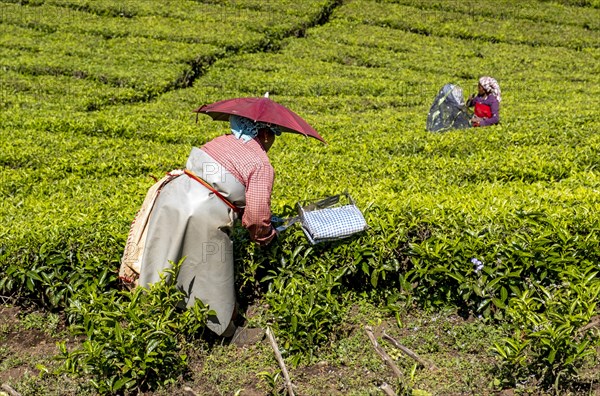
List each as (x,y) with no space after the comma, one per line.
(331,223)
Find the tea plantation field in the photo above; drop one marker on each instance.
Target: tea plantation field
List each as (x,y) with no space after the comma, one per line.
(482,253)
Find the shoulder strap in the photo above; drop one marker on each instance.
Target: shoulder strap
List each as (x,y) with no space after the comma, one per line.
(218,194)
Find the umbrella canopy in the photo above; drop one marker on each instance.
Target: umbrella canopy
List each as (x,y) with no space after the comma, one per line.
(260,109)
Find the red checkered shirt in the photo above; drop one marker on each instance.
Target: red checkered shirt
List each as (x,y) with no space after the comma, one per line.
(249,163)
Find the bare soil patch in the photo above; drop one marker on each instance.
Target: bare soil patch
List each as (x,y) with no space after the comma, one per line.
(21,348)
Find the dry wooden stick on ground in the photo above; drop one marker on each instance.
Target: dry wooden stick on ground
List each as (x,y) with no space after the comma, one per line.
(408,352)
(594,322)
(5,300)
(8,389)
(387,389)
(286,376)
(386,358)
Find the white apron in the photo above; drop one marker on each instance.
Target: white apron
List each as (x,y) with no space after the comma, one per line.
(188,220)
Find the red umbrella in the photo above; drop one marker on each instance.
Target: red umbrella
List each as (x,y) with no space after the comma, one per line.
(260,109)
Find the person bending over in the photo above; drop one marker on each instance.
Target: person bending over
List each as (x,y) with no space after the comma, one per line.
(193,222)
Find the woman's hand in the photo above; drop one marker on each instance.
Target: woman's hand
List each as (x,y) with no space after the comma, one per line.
(470,100)
(475,121)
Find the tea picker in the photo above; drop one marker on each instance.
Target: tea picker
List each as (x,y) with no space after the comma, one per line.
(188,216)
(450,111)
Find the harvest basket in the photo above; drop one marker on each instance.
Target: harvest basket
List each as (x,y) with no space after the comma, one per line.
(330,219)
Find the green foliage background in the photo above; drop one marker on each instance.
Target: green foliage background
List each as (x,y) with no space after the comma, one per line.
(96,97)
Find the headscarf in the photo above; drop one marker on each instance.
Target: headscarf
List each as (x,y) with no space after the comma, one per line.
(490,85)
(246,129)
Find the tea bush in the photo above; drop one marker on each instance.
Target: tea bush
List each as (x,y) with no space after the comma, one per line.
(470,23)
(551,339)
(499,222)
(133,340)
(549,12)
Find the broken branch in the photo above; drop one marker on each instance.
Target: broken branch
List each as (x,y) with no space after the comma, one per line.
(8,389)
(387,389)
(286,376)
(386,358)
(408,352)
